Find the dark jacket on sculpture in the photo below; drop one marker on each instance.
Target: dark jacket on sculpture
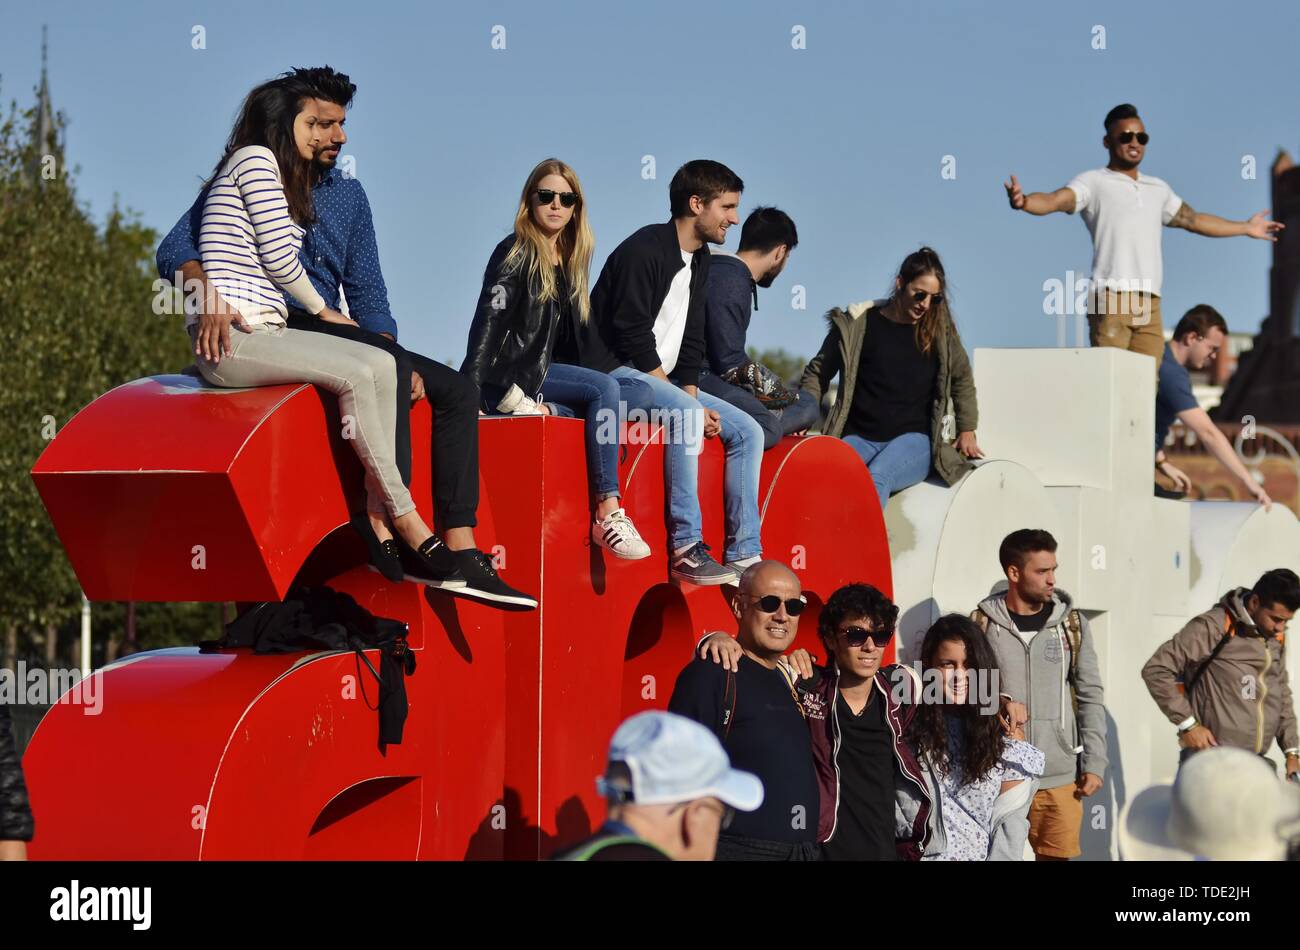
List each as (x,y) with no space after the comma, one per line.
(512,338)
(631,289)
(513,332)
(954,409)
(15,812)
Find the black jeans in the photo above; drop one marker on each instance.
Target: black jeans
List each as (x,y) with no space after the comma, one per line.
(454,399)
(736,848)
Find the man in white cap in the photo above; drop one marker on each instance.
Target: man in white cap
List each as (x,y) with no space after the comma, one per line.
(670,789)
(1226,804)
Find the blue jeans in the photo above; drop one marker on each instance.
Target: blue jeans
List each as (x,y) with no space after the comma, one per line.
(776,423)
(896,464)
(594,397)
(742,442)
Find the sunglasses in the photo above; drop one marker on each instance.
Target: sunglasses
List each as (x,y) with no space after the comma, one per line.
(919,295)
(772,603)
(856,636)
(567,198)
(1125,137)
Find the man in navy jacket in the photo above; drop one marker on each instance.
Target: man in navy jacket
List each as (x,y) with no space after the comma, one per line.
(648,308)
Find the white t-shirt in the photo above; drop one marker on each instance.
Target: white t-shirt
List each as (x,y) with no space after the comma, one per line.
(670,322)
(1124,217)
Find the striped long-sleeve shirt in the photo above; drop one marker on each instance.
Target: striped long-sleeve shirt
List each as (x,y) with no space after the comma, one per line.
(250,243)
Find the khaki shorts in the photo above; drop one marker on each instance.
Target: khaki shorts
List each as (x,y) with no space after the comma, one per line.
(1130,321)
(1055,817)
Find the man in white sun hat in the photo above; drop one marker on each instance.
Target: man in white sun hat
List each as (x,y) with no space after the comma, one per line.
(670,789)
(1226,804)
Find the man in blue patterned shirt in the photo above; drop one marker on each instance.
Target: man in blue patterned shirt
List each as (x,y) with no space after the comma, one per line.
(340,251)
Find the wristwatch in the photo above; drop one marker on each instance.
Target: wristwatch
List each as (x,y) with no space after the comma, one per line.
(1187,724)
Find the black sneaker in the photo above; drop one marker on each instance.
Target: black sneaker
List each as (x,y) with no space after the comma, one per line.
(432,565)
(696,566)
(483,583)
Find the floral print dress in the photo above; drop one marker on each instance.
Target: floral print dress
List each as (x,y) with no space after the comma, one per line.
(968,809)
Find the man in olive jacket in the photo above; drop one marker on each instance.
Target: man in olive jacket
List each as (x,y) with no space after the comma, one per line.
(953,413)
(1222,679)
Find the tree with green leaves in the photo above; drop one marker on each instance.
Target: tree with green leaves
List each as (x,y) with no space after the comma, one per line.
(76,319)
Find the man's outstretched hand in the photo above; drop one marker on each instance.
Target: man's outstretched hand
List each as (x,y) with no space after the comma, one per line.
(1015,196)
(1258,226)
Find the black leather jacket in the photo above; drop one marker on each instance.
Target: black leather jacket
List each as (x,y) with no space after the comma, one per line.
(513,333)
(15,812)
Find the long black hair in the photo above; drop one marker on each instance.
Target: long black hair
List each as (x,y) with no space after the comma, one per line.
(981,730)
(266,118)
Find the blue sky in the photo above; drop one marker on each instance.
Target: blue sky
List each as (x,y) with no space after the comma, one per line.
(847,135)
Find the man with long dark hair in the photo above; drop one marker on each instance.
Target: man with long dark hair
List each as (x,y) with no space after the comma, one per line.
(340,253)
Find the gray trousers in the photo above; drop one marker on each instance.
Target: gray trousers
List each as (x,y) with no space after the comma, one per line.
(363,377)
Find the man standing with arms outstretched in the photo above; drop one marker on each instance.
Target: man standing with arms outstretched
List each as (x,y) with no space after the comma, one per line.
(1124,211)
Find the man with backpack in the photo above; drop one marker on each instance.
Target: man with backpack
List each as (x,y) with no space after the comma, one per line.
(1222,679)
(757,714)
(1050,672)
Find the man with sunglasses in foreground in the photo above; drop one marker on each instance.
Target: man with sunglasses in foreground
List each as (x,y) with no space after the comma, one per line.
(1124,211)
(750,703)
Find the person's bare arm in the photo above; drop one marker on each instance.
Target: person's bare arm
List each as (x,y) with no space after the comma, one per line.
(13,850)
(1211,225)
(1198,420)
(215,315)
(1039,202)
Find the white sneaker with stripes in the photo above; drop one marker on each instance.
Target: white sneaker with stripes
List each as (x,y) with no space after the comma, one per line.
(618,535)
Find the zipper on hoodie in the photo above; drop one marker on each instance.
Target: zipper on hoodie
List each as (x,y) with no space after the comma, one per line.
(895,738)
(835,751)
(1263,694)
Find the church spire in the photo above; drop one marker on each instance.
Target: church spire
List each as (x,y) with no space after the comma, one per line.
(43,138)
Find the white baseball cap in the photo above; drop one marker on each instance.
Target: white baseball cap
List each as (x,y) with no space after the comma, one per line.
(1225,804)
(674,759)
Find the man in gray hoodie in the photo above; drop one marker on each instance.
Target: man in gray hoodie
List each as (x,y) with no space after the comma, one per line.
(1048,664)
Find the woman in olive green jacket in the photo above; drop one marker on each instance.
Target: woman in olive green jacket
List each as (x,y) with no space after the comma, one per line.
(906,396)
